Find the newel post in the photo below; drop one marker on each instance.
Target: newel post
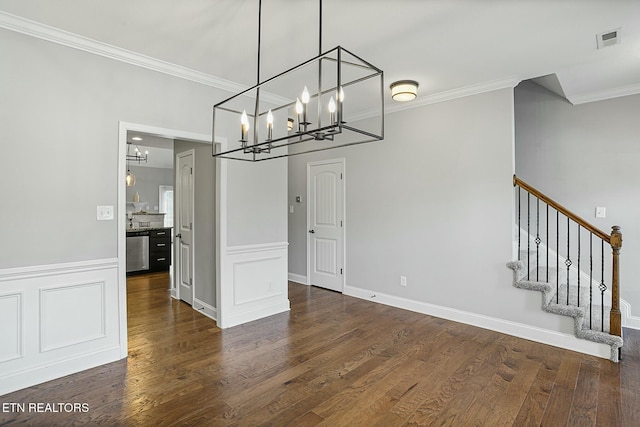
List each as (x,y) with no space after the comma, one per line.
(615,318)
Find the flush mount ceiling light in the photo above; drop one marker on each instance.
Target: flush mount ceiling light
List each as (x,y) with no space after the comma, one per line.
(313,106)
(404,90)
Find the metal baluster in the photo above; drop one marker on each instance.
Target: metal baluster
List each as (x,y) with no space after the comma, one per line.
(537,238)
(528,233)
(519,190)
(567,262)
(578,265)
(590,280)
(547,243)
(603,288)
(557,257)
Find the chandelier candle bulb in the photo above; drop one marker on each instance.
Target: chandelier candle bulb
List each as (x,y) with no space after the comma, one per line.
(299,110)
(305,100)
(244,121)
(269,126)
(332,111)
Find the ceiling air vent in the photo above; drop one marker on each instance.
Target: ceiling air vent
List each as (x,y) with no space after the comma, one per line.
(609,38)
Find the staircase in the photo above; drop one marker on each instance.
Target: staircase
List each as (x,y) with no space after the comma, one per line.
(565,258)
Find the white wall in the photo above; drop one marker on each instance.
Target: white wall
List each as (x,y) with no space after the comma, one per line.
(585,156)
(433,202)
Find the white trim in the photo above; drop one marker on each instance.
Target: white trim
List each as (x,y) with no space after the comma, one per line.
(260,247)
(298,278)
(76,41)
(556,339)
(29,272)
(605,94)
(249,294)
(452,94)
(57,369)
(343,261)
(628,320)
(32,284)
(204,308)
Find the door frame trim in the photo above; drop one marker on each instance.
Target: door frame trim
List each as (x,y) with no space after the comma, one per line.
(175,290)
(343,161)
(221,208)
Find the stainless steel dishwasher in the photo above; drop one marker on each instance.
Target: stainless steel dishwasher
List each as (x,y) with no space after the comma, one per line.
(137,251)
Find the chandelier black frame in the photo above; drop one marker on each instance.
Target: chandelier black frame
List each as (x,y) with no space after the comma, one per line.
(320,120)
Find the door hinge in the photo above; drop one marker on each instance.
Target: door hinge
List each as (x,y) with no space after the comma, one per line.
(340,175)
(340,271)
(190,226)
(190,281)
(340,223)
(191,171)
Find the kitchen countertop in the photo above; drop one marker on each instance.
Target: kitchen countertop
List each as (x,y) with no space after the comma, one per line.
(148,228)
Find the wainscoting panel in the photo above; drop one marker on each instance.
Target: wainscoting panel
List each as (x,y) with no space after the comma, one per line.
(258,278)
(57,320)
(71,315)
(12,330)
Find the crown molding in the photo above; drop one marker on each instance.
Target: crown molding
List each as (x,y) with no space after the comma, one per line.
(448,95)
(76,41)
(605,94)
(435,98)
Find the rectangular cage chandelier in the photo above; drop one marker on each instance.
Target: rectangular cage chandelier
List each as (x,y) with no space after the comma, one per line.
(335,99)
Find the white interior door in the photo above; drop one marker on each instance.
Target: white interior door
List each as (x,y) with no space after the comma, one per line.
(184,225)
(326,224)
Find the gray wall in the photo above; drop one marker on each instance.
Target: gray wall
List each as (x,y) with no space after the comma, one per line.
(585,156)
(432,202)
(60,115)
(147,185)
(204,217)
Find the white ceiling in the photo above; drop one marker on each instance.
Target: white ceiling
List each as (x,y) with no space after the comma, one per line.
(446,45)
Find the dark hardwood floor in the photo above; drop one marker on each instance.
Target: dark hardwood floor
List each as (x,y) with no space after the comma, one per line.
(336,361)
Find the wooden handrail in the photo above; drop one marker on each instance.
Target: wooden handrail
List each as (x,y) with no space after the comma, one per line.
(557,206)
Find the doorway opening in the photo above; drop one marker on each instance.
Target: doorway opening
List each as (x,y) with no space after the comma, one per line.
(157,198)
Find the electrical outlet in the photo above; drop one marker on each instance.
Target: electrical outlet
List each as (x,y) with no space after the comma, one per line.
(403,281)
(291,209)
(601,212)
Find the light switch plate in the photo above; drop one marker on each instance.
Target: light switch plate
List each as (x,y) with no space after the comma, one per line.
(601,212)
(105,213)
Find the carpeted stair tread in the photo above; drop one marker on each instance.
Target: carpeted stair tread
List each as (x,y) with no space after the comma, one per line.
(579,314)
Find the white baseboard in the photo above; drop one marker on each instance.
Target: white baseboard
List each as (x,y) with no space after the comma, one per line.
(298,278)
(628,320)
(257,313)
(205,308)
(53,370)
(520,330)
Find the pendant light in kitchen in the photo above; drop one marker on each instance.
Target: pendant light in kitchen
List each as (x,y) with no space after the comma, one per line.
(130,179)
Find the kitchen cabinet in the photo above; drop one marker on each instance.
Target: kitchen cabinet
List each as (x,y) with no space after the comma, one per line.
(153,255)
(159,249)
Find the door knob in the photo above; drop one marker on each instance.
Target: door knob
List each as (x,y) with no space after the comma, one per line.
(312,231)
(179,235)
